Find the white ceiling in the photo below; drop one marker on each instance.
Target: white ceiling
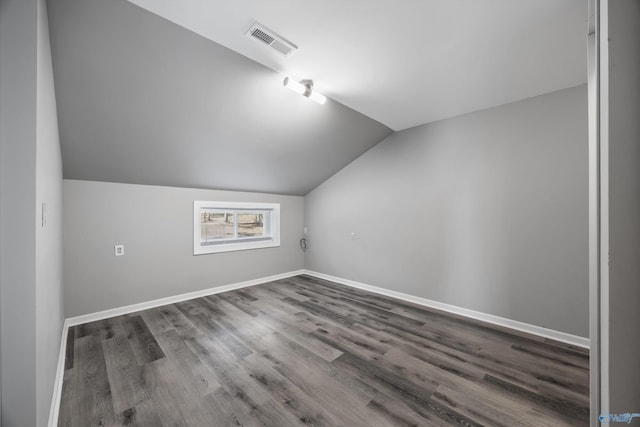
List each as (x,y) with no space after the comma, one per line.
(406,62)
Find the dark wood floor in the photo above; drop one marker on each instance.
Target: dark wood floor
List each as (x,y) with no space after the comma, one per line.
(303,351)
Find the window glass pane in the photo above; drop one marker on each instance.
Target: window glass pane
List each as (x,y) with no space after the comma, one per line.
(215,224)
(251,224)
(233,226)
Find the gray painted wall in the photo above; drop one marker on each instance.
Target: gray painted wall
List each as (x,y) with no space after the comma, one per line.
(18,44)
(156,226)
(30,256)
(486,211)
(49,295)
(624,205)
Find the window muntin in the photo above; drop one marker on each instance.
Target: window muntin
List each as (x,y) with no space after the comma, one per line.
(224,225)
(230,226)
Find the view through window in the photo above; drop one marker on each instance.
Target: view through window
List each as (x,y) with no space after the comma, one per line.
(227,226)
(219,225)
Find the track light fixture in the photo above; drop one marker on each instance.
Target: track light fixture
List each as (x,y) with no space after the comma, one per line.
(304,88)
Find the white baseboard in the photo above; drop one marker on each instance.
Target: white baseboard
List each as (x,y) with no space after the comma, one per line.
(477,315)
(489,318)
(54,411)
(119,311)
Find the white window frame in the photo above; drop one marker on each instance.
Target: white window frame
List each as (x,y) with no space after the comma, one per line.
(235,244)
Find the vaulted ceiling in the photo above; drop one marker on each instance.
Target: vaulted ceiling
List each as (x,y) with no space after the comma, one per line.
(169,92)
(406,62)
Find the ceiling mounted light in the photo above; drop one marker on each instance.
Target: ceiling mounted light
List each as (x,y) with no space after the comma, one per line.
(304,88)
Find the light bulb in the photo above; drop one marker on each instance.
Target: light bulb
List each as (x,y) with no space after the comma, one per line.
(304,89)
(320,99)
(294,86)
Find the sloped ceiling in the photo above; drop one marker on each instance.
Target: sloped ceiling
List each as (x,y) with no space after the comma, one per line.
(142,100)
(171,92)
(407,62)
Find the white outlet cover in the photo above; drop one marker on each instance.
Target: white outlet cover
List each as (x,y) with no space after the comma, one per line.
(119,250)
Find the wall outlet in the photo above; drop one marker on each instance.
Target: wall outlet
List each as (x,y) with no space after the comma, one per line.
(119,250)
(304,230)
(353,236)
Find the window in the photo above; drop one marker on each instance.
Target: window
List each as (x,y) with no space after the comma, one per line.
(233,226)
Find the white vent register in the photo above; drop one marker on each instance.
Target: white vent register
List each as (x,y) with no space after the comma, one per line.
(263,35)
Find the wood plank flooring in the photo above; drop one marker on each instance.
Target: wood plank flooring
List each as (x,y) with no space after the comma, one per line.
(303,351)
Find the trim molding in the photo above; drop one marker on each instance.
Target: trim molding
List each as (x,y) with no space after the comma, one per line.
(477,315)
(119,311)
(54,411)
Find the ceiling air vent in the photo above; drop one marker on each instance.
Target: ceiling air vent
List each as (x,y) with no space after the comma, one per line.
(267,37)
